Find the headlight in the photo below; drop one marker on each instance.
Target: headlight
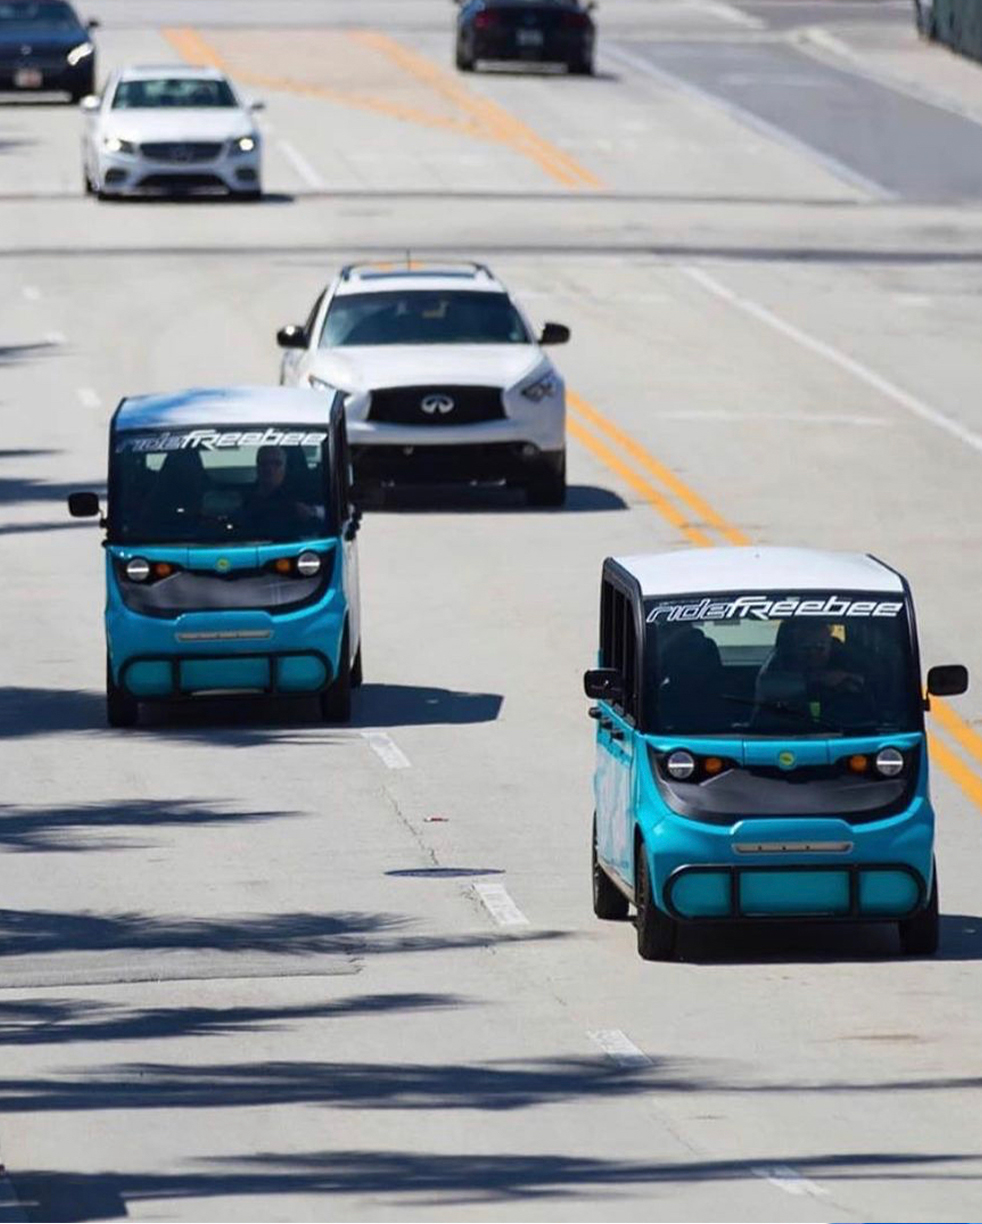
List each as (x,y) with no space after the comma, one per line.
(308,564)
(79,53)
(245,144)
(114,144)
(320,385)
(138,569)
(680,765)
(889,762)
(541,389)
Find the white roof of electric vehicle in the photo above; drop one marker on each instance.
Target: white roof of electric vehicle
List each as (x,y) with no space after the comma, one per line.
(423,276)
(706,570)
(212,406)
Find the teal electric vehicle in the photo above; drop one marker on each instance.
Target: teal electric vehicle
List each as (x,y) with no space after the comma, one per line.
(231,563)
(760,739)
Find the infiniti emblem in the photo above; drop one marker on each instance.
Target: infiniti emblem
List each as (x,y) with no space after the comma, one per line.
(433,404)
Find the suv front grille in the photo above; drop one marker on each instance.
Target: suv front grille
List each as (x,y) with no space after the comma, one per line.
(436,405)
(182,151)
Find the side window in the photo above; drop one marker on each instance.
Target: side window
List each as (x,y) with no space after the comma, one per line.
(607,625)
(629,666)
(341,473)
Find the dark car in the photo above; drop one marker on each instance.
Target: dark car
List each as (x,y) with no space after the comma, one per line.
(544,31)
(44,46)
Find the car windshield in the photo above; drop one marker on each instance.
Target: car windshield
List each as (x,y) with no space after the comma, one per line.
(782,664)
(209,486)
(423,317)
(38,12)
(177,92)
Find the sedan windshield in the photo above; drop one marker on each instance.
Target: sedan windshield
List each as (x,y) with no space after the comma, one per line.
(423,317)
(38,12)
(780,664)
(204,486)
(177,92)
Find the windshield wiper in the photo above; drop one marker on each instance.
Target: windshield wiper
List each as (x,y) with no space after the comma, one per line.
(780,708)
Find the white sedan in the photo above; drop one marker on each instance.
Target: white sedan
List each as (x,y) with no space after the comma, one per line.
(170,130)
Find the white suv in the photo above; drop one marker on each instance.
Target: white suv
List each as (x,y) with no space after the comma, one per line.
(445,376)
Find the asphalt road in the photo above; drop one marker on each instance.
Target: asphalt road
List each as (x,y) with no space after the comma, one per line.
(255,968)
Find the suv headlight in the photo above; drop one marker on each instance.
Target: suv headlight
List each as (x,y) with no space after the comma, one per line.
(542,388)
(79,53)
(245,144)
(115,144)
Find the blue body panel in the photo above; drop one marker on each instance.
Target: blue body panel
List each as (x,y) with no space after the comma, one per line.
(227,649)
(879,869)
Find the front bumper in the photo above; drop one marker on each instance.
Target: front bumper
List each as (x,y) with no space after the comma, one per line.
(822,869)
(488,462)
(55,76)
(198,652)
(556,47)
(135,175)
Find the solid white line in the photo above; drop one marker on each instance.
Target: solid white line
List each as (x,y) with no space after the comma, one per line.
(11,1207)
(799,418)
(385,749)
(790,1181)
(910,403)
(619,1048)
(669,80)
(89,398)
(499,905)
(32,293)
(727,12)
(301,165)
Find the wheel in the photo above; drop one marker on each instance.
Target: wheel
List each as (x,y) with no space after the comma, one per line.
(335,700)
(87,183)
(919,935)
(122,710)
(356,673)
(656,931)
(250,196)
(609,902)
(463,63)
(580,68)
(548,486)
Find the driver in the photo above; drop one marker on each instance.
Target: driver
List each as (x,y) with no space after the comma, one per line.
(269,507)
(826,680)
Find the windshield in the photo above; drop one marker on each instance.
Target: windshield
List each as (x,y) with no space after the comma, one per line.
(205,486)
(423,317)
(38,12)
(781,664)
(177,92)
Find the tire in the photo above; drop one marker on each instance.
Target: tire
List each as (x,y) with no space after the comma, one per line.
(335,701)
(919,935)
(122,710)
(657,933)
(609,903)
(580,68)
(548,486)
(463,63)
(87,183)
(250,196)
(356,671)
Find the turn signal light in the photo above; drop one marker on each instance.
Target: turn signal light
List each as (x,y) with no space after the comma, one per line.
(713,765)
(162,569)
(282,565)
(858,764)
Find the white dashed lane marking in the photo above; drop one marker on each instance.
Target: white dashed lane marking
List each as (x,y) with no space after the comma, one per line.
(386,750)
(301,165)
(619,1048)
(790,1181)
(495,899)
(89,398)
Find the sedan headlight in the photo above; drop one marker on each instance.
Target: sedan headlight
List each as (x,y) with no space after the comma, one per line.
(542,388)
(115,144)
(245,144)
(79,53)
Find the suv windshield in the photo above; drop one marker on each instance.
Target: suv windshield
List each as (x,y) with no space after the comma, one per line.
(207,486)
(453,316)
(185,92)
(780,664)
(38,12)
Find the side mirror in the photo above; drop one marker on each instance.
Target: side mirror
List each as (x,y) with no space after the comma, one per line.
(83,505)
(257,106)
(948,680)
(90,103)
(291,336)
(93,23)
(351,528)
(554,333)
(604,684)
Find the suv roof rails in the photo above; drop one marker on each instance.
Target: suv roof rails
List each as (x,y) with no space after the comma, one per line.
(419,266)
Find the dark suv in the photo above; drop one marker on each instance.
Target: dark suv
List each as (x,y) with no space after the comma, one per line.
(44,46)
(543,31)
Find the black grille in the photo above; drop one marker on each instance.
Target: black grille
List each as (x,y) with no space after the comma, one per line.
(182,182)
(436,405)
(183,152)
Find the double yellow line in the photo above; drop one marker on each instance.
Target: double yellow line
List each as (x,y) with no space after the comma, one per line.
(478,117)
(685,510)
